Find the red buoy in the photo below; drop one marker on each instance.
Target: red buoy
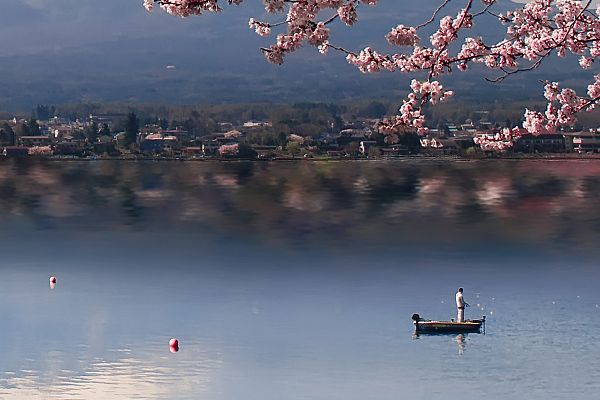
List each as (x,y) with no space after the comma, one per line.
(173,345)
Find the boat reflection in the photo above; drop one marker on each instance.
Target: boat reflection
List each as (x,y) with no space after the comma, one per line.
(460,339)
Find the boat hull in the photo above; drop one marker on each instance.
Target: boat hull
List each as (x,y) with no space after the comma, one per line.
(448,326)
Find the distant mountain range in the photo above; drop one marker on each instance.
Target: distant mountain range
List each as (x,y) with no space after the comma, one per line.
(71,51)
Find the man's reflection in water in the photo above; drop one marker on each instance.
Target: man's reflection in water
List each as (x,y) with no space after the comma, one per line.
(462,342)
(460,339)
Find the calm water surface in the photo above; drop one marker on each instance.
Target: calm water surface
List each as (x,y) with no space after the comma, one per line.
(298,280)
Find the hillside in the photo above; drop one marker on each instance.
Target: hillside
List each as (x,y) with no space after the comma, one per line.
(115,51)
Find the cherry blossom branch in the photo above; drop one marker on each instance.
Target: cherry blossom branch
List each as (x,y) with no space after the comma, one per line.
(508,73)
(534,32)
(434,16)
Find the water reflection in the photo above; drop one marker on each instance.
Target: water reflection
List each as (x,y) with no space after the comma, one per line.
(297,280)
(461,340)
(123,375)
(483,204)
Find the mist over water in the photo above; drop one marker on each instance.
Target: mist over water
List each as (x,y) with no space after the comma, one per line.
(297,280)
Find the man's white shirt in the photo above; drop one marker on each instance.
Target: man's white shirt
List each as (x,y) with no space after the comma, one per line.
(460,302)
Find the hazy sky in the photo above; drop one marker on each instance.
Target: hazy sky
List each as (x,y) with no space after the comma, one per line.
(32,25)
(53,51)
(28,26)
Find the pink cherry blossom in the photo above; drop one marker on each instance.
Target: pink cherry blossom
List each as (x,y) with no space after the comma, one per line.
(498,142)
(403,36)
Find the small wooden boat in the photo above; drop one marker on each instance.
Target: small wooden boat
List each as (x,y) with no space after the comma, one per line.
(429,326)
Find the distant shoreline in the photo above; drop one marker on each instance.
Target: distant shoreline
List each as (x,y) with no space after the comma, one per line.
(515,157)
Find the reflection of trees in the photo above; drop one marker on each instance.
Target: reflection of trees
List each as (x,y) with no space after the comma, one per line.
(533,202)
(130,204)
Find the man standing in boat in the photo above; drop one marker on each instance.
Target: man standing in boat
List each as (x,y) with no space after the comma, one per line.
(460,305)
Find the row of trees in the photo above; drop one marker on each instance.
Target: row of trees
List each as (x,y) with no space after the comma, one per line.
(204,119)
(9,135)
(306,119)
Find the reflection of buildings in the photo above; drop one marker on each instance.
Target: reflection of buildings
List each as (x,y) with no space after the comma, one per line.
(463,203)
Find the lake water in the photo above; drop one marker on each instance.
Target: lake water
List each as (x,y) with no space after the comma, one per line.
(298,280)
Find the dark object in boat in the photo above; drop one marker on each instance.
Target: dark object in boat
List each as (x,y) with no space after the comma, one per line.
(429,326)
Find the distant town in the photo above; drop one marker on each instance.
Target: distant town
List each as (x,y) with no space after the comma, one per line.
(121,135)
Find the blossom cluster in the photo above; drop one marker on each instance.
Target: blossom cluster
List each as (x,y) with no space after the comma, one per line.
(498,142)
(411,115)
(185,8)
